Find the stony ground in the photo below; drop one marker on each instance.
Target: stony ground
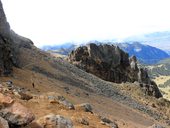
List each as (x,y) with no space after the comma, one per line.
(125,104)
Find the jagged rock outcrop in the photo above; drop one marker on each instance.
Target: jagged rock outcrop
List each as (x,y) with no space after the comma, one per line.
(110,63)
(10,43)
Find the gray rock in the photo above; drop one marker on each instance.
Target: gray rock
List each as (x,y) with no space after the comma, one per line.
(25,96)
(10,43)
(3,123)
(62,101)
(86,107)
(15,113)
(156,126)
(67,104)
(113,125)
(55,121)
(83,121)
(108,122)
(133,63)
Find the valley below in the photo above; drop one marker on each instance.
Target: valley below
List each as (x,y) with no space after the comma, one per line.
(161,80)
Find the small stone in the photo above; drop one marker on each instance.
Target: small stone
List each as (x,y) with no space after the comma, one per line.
(156,126)
(5,100)
(67,104)
(9,82)
(168,122)
(113,125)
(85,107)
(153,105)
(106,120)
(83,121)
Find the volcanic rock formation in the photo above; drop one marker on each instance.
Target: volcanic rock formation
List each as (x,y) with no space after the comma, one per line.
(110,63)
(10,43)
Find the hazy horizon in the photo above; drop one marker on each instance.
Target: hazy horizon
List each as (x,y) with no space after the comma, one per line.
(55,21)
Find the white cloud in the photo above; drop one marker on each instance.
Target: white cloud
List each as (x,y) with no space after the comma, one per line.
(57,21)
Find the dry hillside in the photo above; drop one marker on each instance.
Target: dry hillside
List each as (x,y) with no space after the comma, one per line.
(125,104)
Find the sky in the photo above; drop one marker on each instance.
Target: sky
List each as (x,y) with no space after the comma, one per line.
(50,22)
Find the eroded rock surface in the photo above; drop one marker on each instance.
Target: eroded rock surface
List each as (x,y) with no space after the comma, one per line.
(10,43)
(111,63)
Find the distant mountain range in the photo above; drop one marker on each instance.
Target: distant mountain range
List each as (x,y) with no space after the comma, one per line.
(63,49)
(146,54)
(160,40)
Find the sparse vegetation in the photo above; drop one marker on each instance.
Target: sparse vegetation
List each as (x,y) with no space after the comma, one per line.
(166,84)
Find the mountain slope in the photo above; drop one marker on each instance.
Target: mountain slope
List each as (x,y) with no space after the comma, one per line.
(63,49)
(55,74)
(67,75)
(39,77)
(145,53)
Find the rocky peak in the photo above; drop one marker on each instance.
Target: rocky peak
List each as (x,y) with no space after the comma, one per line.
(4,25)
(10,43)
(133,63)
(111,63)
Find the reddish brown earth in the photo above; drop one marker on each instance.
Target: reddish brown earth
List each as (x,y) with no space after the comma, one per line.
(123,115)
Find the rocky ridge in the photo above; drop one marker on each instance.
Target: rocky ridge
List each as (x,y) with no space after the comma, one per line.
(146,54)
(110,63)
(37,110)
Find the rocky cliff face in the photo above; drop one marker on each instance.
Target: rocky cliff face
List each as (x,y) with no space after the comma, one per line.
(110,63)
(10,43)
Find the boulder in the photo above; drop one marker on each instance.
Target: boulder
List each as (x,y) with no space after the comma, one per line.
(54,121)
(15,113)
(3,123)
